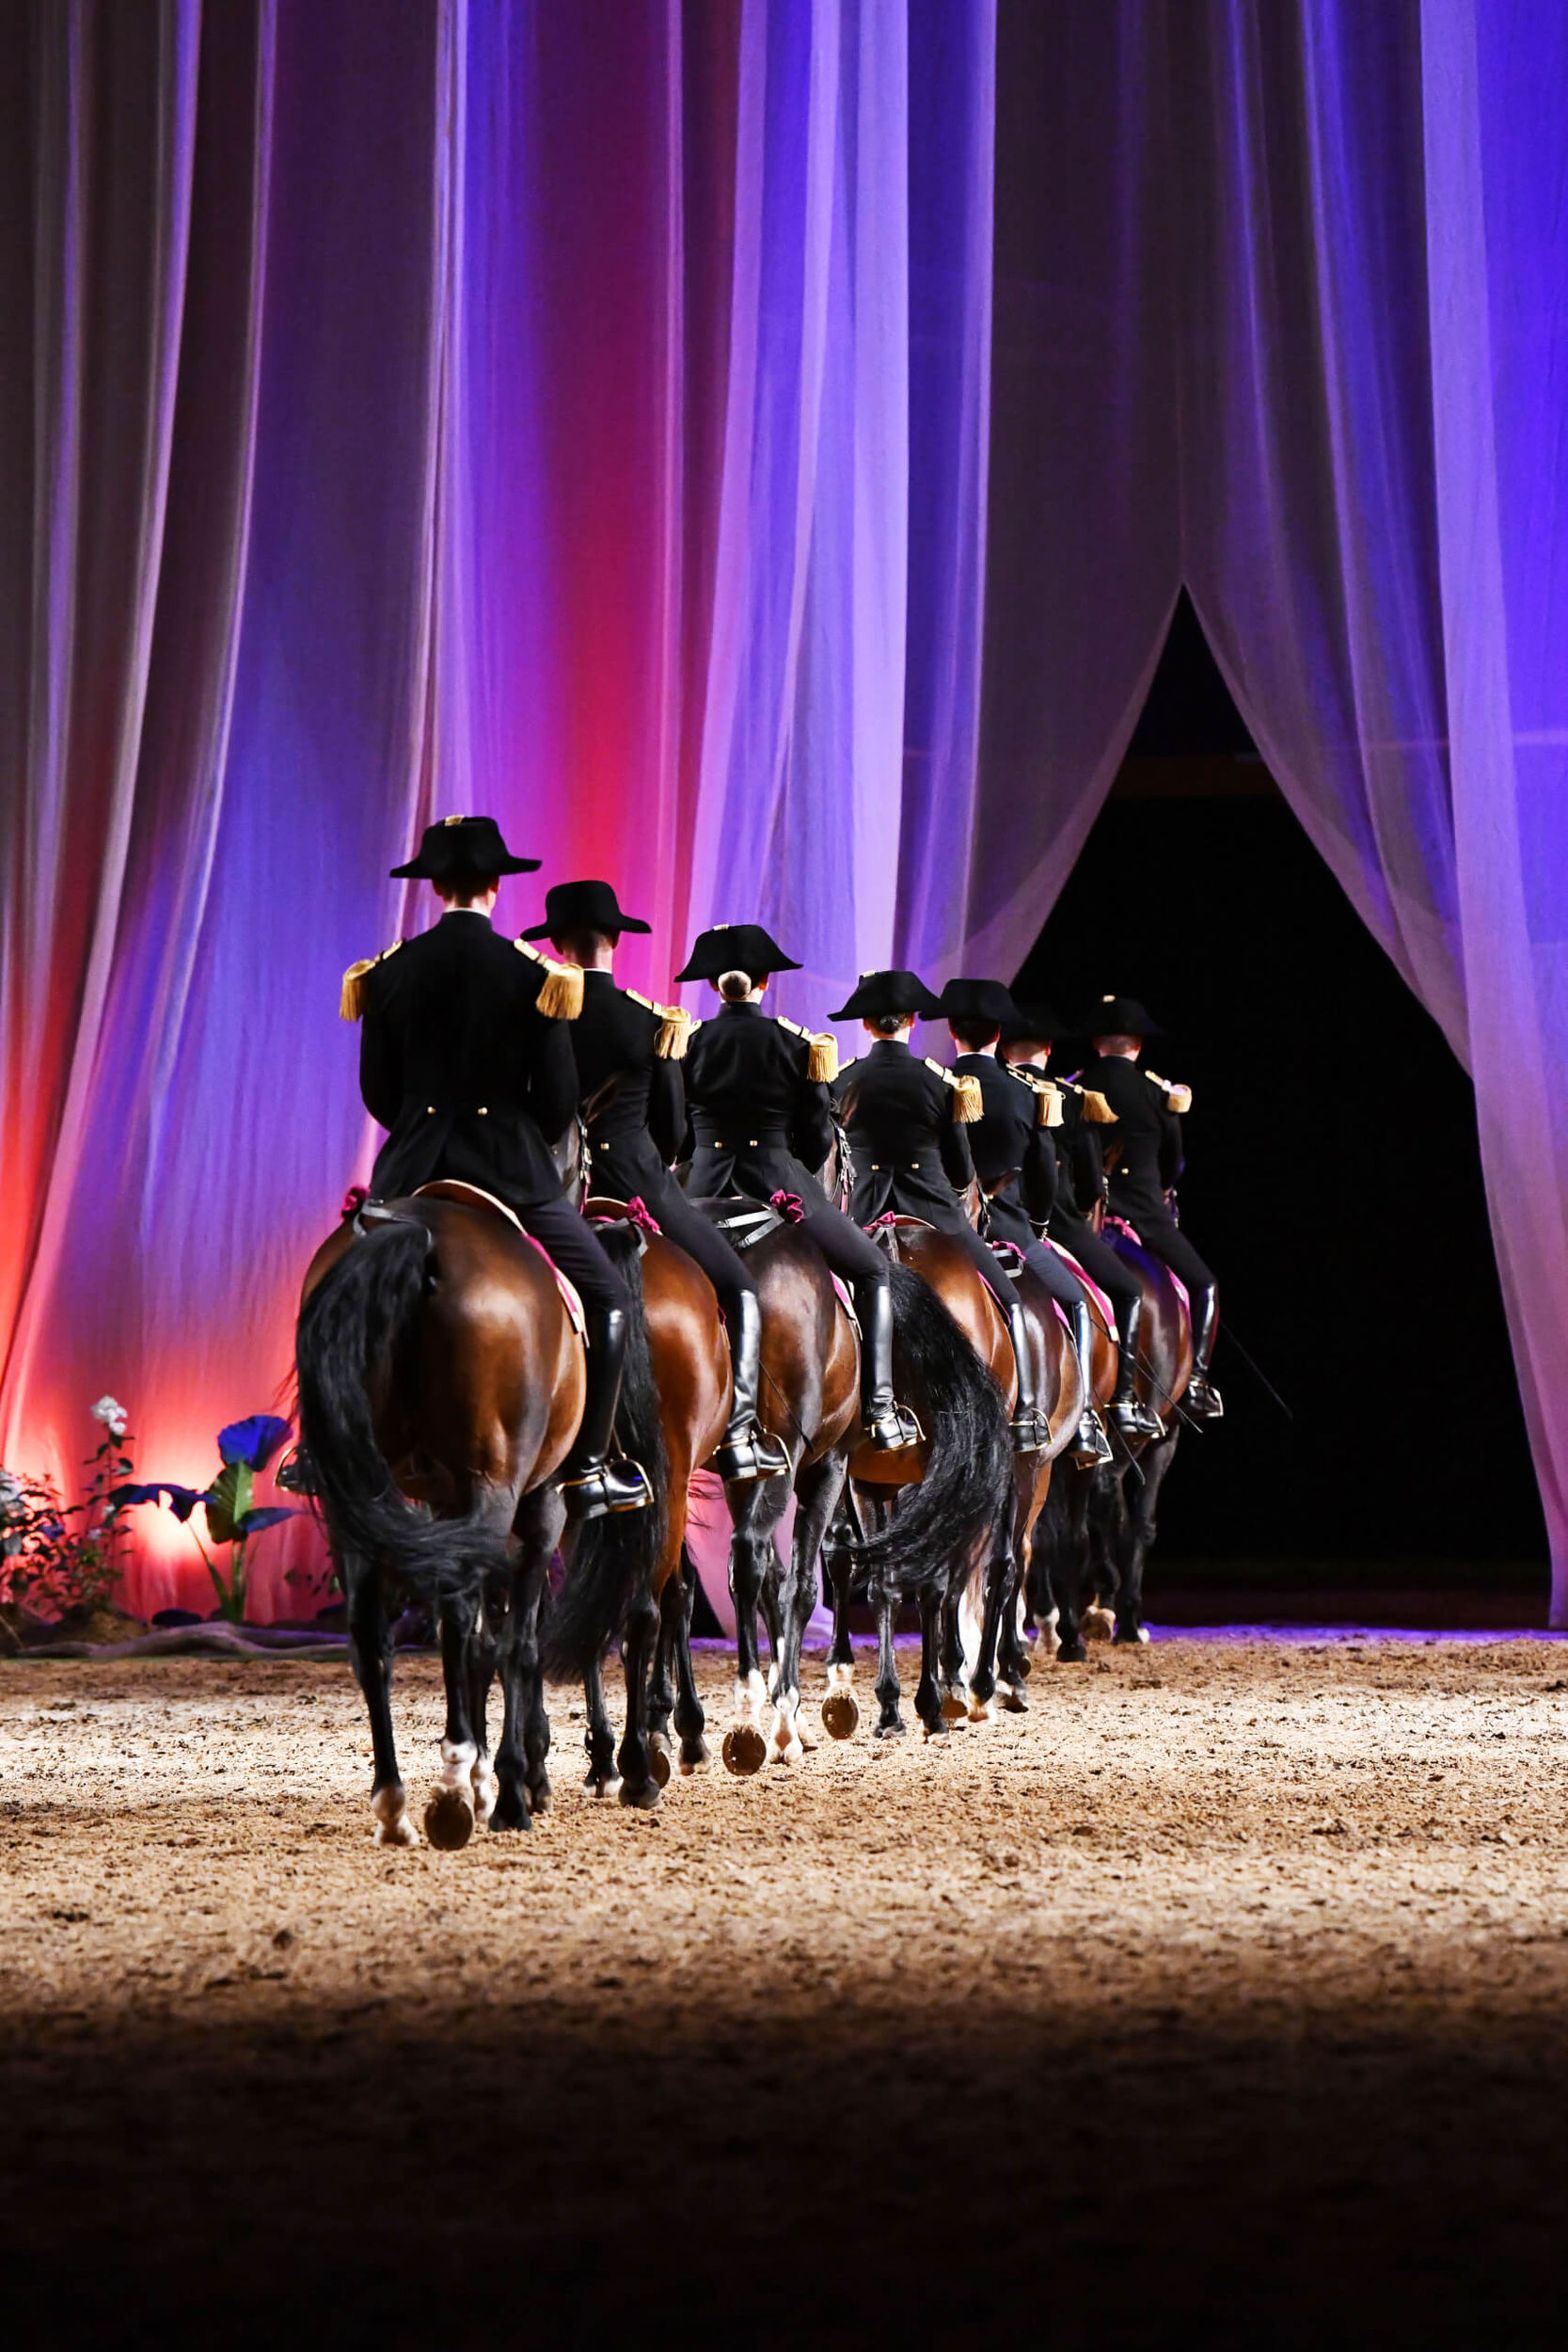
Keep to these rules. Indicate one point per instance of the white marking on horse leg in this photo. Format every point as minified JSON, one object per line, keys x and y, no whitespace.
{"x":970,"y":1622}
{"x":751,"y":1697}
{"x":840,"y":1675}
{"x":486,"y":1788}
{"x":784,"y":1739}
{"x":392,"y":1824}
{"x":981,"y":1711}
{"x":458,"y":1758}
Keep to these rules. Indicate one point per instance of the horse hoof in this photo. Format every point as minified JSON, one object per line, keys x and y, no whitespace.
{"x":640,"y":1800}
{"x":1012,"y":1698}
{"x":955,"y":1707}
{"x":1098,"y":1625}
{"x":658,"y":1764}
{"x":840,"y":1714}
{"x":509,"y":1811}
{"x":485,"y":1789}
{"x":693,"y":1754}
{"x":1130,"y":1633}
{"x":448,"y":1819}
{"x":744,"y":1750}
{"x":603,"y":1783}
{"x":894,"y":1730}
{"x":660,"y":1740}
{"x":936,"y":1730}
{"x":540,"y":1797}
{"x":980,"y":1710}
{"x":392,"y":1824}
{"x":1071,"y":1654}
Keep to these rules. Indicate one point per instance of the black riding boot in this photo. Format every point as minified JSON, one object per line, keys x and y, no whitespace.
{"x":1030,"y":1429}
{"x":591,"y":1482}
{"x":1202,"y":1399}
{"x":888,"y":1425}
{"x":1091,"y":1445}
{"x":1127,"y":1410}
{"x":748,"y":1451}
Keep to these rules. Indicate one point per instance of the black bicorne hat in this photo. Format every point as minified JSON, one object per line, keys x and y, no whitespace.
{"x":463,"y":848}
{"x":1119,"y":1016}
{"x":890,"y":992}
{"x":582,"y":906}
{"x":735,"y":947}
{"x":984,"y":1004}
{"x":1040,"y":1024}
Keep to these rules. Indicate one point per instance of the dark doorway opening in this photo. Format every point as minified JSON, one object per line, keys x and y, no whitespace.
{"x":1333,"y":1181}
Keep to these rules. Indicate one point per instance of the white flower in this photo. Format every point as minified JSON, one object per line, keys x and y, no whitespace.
{"x":114,"y":1416}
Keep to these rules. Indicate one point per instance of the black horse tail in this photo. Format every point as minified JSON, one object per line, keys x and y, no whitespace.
{"x":939,"y":1529}
{"x":611,"y":1560}
{"x":353,"y":1330}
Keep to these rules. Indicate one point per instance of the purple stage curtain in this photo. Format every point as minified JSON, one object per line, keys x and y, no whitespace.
{"x":1375,"y":402}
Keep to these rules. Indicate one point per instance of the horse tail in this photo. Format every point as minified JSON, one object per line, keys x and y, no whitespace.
{"x":611,"y":1559}
{"x":353,"y":1330}
{"x":940,"y":1529}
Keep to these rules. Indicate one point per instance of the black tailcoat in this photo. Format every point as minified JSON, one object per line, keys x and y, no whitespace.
{"x":457,"y":1061}
{"x":760,"y":1121}
{"x":1143,"y":1148}
{"x":908,"y":1155}
{"x":633,"y":1100}
{"x":1014,"y":1155}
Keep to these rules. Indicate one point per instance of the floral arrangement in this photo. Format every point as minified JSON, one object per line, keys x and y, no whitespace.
{"x":49,"y":1567}
{"x":233,"y":1517}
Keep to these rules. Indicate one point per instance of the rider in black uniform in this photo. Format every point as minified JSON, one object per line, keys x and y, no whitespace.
{"x":465,"y":1057}
{"x":761,"y":1114}
{"x":1144,"y":1166}
{"x":629,"y":1052}
{"x":1014,"y":1156}
{"x":910,"y":1126}
{"x":1026,"y":1041}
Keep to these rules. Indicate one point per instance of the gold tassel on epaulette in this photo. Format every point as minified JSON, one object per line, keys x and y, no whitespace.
{"x":968,"y":1102}
{"x":560,"y":997}
{"x":1050,"y":1101}
{"x":1097,"y":1109}
{"x":822,"y":1060}
{"x":1181,"y":1099}
{"x":675,"y":1030}
{"x":351,"y":998}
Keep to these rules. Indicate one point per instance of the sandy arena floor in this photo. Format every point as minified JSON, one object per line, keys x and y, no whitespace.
{"x":1224,"y":1989}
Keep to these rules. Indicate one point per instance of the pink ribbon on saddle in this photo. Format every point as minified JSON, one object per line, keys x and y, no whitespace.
{"x":888,"y":1216}
{"x":354,"y":1200}
{"x":639,"y":1214}
{"x":789,"y":1205}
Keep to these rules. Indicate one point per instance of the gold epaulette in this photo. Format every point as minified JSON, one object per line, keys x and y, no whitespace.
{"x":1096,"y":1108}
{"x":351,"y":996}
{"x":1179,"y":1097}
{"x":1048,"y":1097}
{"x":560,"y":997}
{"x":822,"y":1060}
{"x":676,"y":1026}
{"x":968,"y":1102}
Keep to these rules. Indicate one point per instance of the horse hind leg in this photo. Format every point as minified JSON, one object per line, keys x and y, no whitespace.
{"x":841,"y":1712}
{"x":1157,"y":1460}
{"x":523,"y":1781}
{"x":680,"y":1594}
{"x":370,"y":1650}
{"x":927,"y":1698}
{"x":639,"y":1786}
{"x":599,"y":1737}
{"x":890,"y":1723}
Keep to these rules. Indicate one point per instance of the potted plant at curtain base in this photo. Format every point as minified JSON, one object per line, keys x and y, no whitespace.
{"x":55,"y":1577}
{"x":234,"y":1519}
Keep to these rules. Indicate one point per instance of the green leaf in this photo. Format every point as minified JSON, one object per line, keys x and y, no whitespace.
{"x":229,"y":1498}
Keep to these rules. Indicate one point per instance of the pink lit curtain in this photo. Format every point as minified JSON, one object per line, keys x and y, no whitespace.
{"x":418,"y":407}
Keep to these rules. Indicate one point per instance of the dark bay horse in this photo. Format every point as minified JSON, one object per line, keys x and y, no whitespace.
{"x":962,"y":1389}
{"x":440,"y":1386}
{"x":1100,"y":1524}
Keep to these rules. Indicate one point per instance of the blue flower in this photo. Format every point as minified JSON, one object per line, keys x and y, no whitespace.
{"x":182,"y":1499}
{"x":254,"y":1442}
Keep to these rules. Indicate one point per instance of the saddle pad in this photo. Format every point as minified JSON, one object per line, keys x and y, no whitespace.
{"x":1176,"y":1283}
{"x":1106,"y":1313}
{"x":443,"y":1189}
{"x":846,"y":1302}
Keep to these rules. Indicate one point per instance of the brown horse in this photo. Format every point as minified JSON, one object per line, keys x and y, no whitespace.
{"x":985,"y":1624}
{"x":1102,"y":1522}
{"x":441,"y":1383}
{"x":623,"y":1574}
{"x":945,"y":1275}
